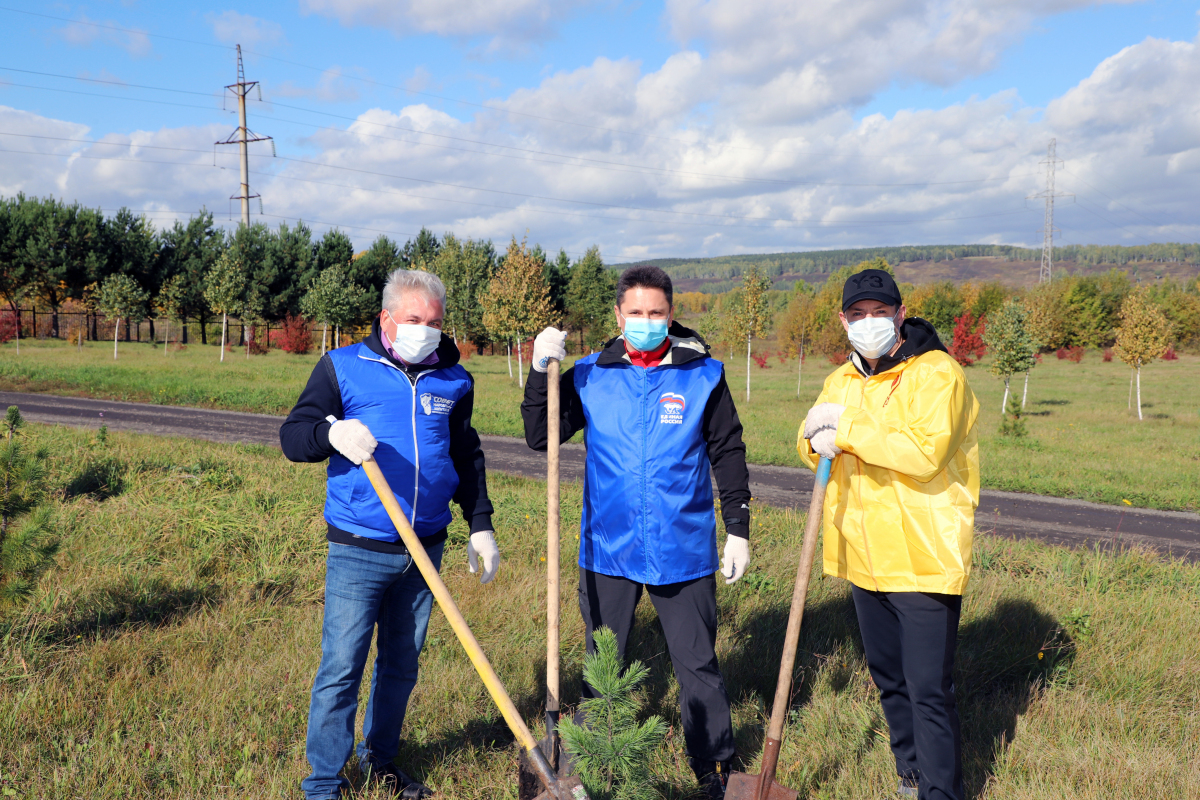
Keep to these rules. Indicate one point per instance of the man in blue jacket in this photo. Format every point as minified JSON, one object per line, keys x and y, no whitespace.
{"x":658,"y":415}
{"x":401,"y":397}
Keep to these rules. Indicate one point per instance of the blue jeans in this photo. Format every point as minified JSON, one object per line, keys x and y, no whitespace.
{"x":362,"y":589}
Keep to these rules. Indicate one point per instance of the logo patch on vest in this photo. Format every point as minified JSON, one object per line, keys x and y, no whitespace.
{"x":432,"y":404}
{"x":670,"y":407}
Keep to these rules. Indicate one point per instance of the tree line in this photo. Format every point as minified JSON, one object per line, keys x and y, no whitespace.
{"x":62,"y":256}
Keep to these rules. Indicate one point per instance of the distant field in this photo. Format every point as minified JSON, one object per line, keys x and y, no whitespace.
{"x":1083,"y":441}
{"x":171,"y":652}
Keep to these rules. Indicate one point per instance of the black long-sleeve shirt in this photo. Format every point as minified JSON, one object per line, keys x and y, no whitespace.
{"x":722,"y":430}
{"x":304,"y":437}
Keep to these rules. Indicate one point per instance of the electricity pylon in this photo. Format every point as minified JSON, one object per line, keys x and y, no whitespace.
{"x":243,"y":136}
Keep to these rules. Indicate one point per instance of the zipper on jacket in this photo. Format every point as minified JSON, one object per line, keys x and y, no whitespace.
{"x":862,"y":403}
{"x":643,"y":414}
{"x":416,"y":450}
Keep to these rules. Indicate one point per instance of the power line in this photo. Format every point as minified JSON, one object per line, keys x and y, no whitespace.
{"x":244,"y":137}
{"x":594,"y":163}
{"x":1118,"y":202}
{"x":792,"y":223}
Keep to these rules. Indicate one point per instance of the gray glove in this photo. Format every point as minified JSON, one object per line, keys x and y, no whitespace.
{"x":549,"y":344}
{"x":822,"y":415}
{"x":352,"y":439}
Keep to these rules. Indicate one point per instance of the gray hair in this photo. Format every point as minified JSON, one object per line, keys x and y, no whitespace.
{"x":410,"y":280}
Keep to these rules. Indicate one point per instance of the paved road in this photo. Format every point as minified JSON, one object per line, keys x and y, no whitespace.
{"x":1051,"y":519}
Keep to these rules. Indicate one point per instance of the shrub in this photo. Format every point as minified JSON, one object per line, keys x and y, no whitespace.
{"x":256,"y":347}
{"x":465,"y":350}
{"x":1061,"y":353}
{"x":8,"y":327}
{"x":1108,"y":355}
{"x":761,"y":360}
{"x":967,"y":345}
{"x":295,"y":337}
{"x":1075,"y":354}
{"x":838,"y":357}
{"x":1169,"y":354}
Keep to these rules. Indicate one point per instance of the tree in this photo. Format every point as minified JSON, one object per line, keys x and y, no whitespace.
{"x":289,"y":266}
{"x":1007,"y":336}
{"x":63,"y":251}
{"x":420,"y":250}
{"x":171,"y":300}
{"x":223,"y":287}
{"x":590,"y":297}
{"x":119,"y":298}
{"x":465,"y":267}
{"x":1144,"y":335}
{"x":967,"y":345}
{"x":370,"y":269}
{"x":191,"y":251}
{"x":801,"y":324}
{"x":131,"y":247}
{"x":752,"y":316}
{"x":517,"y":301}
{"x":27,"y":546}
{"x":612,"y":750}
{"x":558,"y":275}
{"x":333,"y":301}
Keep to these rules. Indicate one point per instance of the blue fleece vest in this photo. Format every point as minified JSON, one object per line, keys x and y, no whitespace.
{"x":647,"y":500}
{"x":411,"y":423}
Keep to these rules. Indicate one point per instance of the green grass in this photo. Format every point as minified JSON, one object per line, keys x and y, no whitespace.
{"x":171,"y":653}
{"x":1084,"y":441}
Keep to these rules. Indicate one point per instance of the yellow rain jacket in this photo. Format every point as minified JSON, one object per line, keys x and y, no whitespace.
{"x":900,"y":507}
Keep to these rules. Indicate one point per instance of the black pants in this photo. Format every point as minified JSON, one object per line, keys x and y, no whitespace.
{"x":688,"y":613}
{"x":909,"y":638}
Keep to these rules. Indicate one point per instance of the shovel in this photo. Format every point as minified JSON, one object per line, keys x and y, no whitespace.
{"x":555,"y":788}
{"x":549,"y":745}
{"x":748,"y":786}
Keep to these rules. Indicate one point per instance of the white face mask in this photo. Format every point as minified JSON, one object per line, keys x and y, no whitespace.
{"x":873,"y":336}
{"x":414,"y":343}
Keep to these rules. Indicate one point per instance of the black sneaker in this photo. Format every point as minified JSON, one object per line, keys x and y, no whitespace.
{"x":713,"y":777}
{"x":395,"y":781}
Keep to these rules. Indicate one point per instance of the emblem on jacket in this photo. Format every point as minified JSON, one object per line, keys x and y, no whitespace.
{"x":432,"y":404}
{"x":670,"y":407}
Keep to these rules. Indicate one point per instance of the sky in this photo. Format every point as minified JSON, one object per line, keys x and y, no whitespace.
{"x":679,"y":128}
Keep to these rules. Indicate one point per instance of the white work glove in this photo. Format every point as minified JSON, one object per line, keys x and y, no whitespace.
{"x":352,"y":439}
{"x":483,"y":546}
{"x":549,"y":344}
{"x":824,"y":443}
{"x":822,"y":415}
{"x":737,"y":558}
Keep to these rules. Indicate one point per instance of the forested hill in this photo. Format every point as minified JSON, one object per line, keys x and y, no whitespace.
{"x":922,"y":263}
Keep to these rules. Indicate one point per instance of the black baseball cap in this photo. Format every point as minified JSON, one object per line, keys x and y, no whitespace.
{"x":871,"y":284}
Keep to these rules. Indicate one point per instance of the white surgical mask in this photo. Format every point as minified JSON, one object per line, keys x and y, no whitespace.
{"x":414,"y":343}
{"x":873,"y":336}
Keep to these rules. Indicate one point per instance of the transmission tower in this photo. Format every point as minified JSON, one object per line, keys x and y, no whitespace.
{"x":1046,"y":274}
{"x":243,"y":136}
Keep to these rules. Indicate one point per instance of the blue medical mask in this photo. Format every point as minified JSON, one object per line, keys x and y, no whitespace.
{"x":645,"y":334}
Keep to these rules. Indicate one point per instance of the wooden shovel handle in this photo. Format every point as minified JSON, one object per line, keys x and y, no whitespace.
{"x":783,"y":689}
{"x":552,"y":539}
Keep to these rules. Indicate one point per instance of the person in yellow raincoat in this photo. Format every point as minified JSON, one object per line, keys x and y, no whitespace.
{"x":898,"y":420}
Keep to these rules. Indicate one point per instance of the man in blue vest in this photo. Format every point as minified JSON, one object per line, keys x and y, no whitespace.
{"x":401,"y":397}
{"x":658,"y":416}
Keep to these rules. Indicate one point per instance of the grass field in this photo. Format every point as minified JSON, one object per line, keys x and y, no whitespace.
{"x":171,"y":653}
{"x":1084,"y":442}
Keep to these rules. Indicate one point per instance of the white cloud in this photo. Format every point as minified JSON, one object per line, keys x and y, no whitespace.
{"x":85,"y":32}
{"x":508,"y":23}
{"x":231,"y":27}
{"x":331,"y":87}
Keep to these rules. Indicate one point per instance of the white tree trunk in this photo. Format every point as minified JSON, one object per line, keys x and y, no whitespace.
{"x":1004,"y":400}
{"x":1130,"y":404}
{"x":520,"y":371}
{"x":337,"y":337}
{"x":324,"y":332}
{"x":1025,"y":394}
{"x":115,"y":330}
{"x":508,"y":357}
{"x":799,"y":370}
{"x":747,"y":368}
{"x":224,"y":325}
{"x":1139,"y":390}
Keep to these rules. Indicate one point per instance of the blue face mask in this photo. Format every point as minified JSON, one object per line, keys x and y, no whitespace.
{"x":645,"y":334}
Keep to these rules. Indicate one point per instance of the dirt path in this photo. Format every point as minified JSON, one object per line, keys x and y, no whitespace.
{"x":1051,"y":519}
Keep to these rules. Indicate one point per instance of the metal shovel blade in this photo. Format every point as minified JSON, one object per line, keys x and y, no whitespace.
{"x":745,"y":786}
{"x":569,"y":788}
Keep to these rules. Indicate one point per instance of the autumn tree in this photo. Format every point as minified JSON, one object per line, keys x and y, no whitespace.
{"x":800,"y":324}
{"x":517,"y":302}
{"x":753,"y":314}
{"x":1007,"y":336}
{"x":1143,"y":336}
{"x":171,"y":300}
{"x":119,"y":298}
